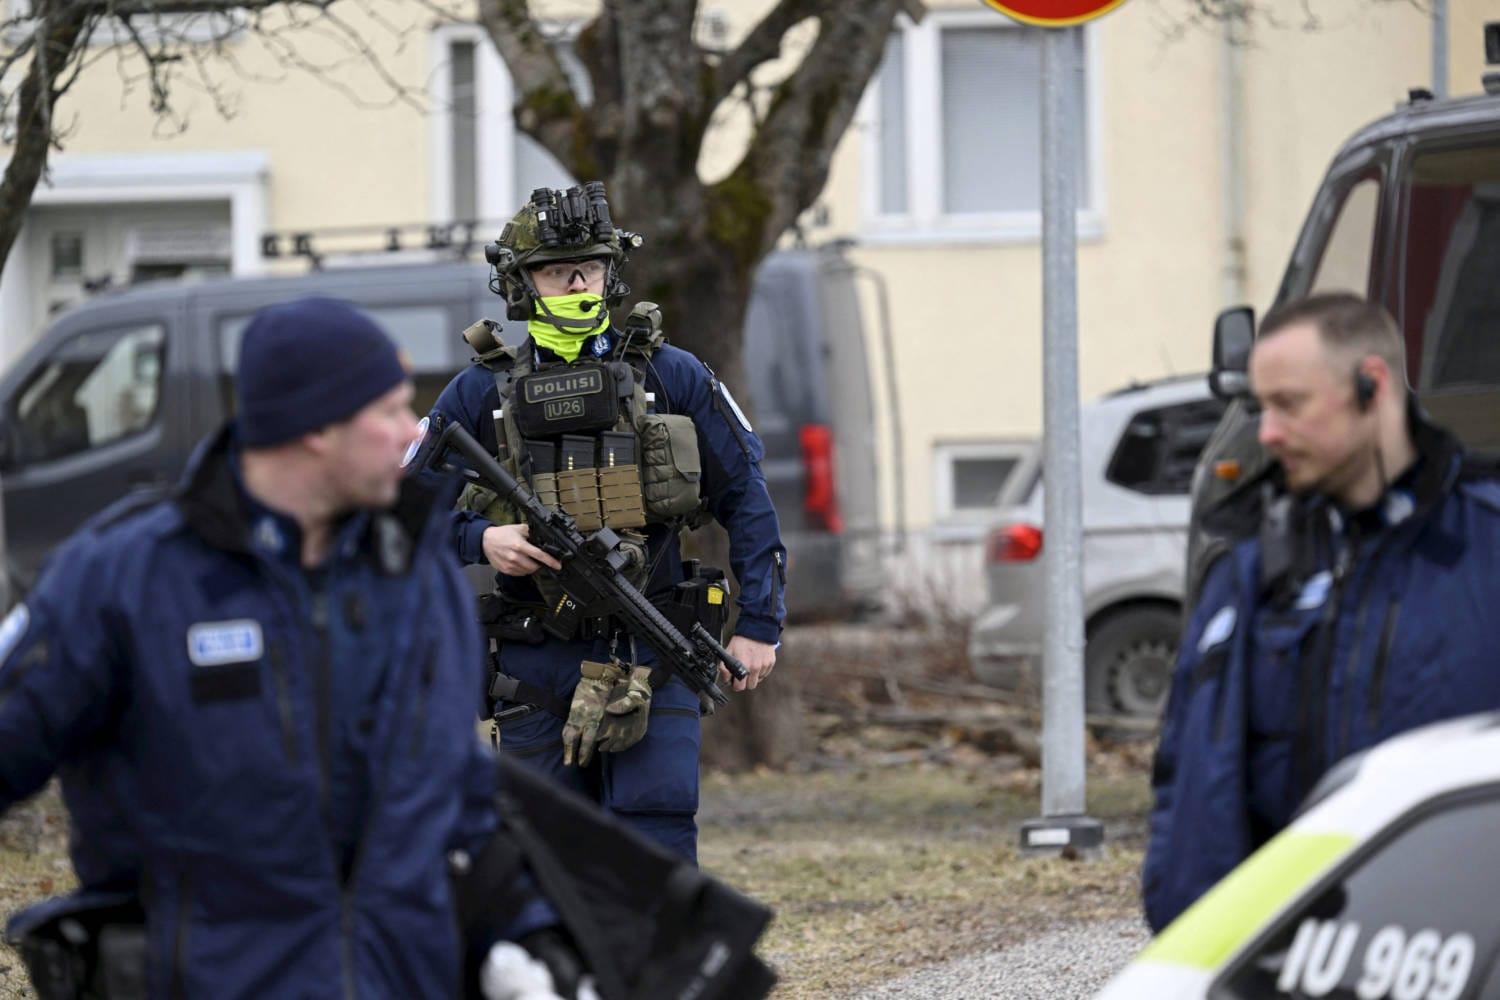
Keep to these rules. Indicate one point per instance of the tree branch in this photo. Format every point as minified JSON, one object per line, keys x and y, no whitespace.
{"x":58,"y":36}
{"x":762,"y":44}
{"x":788,"y":159}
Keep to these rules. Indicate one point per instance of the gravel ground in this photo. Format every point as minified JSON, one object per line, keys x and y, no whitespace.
{"x":1059,"y":964}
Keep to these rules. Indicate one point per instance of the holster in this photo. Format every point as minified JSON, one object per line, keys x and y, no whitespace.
{"x":87,"y":946}
{"x":506,"y":621}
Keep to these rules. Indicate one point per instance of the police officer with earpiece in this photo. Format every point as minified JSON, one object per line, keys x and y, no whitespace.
{"x":621,"y":430}
{"x":1358,"y":603}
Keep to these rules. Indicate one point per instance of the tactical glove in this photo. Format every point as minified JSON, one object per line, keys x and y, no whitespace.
{"x":581,"y":731}
{"x":627,"y":712}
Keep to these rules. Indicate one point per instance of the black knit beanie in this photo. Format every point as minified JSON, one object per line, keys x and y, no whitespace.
{"x":307,"y":364}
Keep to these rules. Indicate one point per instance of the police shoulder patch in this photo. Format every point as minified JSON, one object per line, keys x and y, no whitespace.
{"x":416,"y":442}
{"x":211,"y":644}
{"x":739,"y":414}
{"x":13,"y":628}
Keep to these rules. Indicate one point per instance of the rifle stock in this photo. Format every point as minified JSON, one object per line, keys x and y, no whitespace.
{"x":593,"y":572}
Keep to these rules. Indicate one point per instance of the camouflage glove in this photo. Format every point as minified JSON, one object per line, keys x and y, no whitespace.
{"x":581,"y":731}
{"x":627,"y":712}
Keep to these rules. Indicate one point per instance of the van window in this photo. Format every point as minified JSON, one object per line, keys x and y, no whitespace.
{"x":96,"y":388}
{"x":1345,"y":263}
{"x":1451,"y":252}
{"x":423,"y":332}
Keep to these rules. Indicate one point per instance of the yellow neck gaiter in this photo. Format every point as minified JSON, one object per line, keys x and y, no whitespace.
{"x":561,"y":323}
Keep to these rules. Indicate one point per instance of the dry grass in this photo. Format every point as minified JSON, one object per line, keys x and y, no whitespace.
{"x":876,"y":872}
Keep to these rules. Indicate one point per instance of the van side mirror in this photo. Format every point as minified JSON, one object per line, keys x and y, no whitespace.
{"x":1234,"y":334}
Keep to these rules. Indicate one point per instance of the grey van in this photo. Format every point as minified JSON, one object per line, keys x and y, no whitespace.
{"x":115,"y":393}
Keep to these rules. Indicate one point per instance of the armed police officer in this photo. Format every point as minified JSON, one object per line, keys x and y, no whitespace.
{"x":623,"y":431}
{"x":1358,"y":603}
{"x":259,"y":694}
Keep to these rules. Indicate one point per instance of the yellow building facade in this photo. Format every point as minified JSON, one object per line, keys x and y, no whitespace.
{"x":1201,"y":157}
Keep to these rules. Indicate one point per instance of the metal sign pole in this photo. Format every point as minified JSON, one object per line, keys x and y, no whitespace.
{"x":1063,"y":823}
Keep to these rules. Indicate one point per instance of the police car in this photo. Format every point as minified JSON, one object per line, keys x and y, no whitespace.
{"x":1386,"y":886}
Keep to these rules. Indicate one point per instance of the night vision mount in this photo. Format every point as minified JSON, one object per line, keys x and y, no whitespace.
{"x":571,"y":223}
{"x":576,"y":217}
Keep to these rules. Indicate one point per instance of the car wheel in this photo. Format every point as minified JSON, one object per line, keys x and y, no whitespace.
{"x":1129,"y":660}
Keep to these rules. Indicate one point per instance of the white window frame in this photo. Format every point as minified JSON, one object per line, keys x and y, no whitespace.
{"x":189,"y":27}
{"x":950,"y":523}
{"x":494,"y":131}
{"x":924,"y":220}
{"x":495,"y":128}
{"x":239,"y":177}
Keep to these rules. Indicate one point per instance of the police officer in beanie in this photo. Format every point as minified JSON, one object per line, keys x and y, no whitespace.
{"x":259,"y":694}
{"x":625,"y":431}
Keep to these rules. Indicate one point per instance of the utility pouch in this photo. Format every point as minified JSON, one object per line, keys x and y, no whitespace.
{"x":506,"y":621}
{"x":670,"y":466}
{"x":701,"y":599}
{"x":575,"y":399}
{"x":620,"y":481}
{"x":88,"y":946}
{"x":578,"y":481}
{"x":541,"y":458}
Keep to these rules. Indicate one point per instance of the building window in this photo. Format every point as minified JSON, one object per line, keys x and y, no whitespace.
{"x":485,"y":168}
{"x":67,"y":254}
{"x":462,"y":110}
{"x":974,"y":477}
{"x":954,"y":120}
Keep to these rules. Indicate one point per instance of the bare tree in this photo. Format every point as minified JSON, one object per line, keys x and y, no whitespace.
{"x":655,"y":92}
{"x":160,"y":46}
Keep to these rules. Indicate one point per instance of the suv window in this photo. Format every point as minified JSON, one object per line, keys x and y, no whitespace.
{"x":96,"y":388}
{"x":1159,"y":447}
{"x":1407,"y":921}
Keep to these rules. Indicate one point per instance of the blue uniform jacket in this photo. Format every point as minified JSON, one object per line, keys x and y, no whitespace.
{"x":279,"y":775}
{"x":733,"y":483}
{"x":1410,"y":631}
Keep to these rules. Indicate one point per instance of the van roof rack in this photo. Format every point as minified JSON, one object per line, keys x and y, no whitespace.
{"x":453,"y":240}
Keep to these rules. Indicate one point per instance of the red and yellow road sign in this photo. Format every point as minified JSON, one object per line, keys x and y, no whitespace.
{"x":1054,"y":13}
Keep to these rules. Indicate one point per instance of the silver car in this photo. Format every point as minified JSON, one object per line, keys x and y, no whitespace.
{"x":1139,"y":446}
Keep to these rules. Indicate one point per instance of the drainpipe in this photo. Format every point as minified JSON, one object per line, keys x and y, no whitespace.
{"x":1440,"y":49}
{"x":1232,"y":160}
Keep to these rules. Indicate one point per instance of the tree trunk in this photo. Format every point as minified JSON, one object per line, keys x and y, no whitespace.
{"x":55,"y":42}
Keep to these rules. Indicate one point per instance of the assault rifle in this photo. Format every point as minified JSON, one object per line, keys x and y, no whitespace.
{"x":593,"y":572}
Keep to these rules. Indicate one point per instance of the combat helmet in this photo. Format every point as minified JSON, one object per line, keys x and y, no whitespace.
{"x":558,"y":225}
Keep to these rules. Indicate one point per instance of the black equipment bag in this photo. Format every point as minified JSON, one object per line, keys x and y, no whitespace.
{"x":648,"y":924}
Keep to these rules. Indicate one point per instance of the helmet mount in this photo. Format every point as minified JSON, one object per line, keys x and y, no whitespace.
{"x":557,"y":225}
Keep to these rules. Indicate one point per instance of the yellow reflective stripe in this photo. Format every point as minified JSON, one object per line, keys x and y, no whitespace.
{"x":1241,"y":903}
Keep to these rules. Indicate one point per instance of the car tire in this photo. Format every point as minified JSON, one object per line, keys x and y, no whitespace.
{"x":1128,"y":661}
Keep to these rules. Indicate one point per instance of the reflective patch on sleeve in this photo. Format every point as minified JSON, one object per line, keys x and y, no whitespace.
{"x":12,"y":629}
{"x":1219,"y":628}
{"x":739,"y":414}
{"x":416,"y":442}
{"x":212,"y":644}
